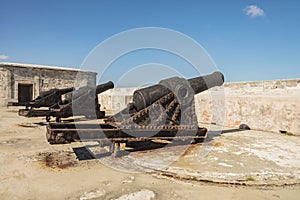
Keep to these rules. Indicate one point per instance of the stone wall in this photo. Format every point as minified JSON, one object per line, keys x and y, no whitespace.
{"x":42,"y":78}
{"x":262,"y":105}
{"x":5,"y":85}
{"x":116,"y":99}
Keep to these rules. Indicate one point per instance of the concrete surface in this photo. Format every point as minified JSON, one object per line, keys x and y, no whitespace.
{"x":233,"y":157}
{"x":30,"y":168}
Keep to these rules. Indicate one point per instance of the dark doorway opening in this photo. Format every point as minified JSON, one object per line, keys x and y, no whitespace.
{"x":25,"y":92}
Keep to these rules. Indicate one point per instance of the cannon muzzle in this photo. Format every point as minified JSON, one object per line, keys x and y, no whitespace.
{"x":91,"y":92}
{"x":65,"y":90}
{"x":142,"y":98}
{"x":202,"y":83}
{"x":103,"y":87}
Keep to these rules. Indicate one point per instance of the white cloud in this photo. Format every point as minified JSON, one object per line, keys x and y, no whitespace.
{"x":254,"y":11}
{"x":3,"y":57}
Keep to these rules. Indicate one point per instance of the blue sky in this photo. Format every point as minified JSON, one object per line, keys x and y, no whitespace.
{"x":248,"y":40}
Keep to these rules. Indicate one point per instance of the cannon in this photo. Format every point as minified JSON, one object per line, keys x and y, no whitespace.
{"x":83,"y":102}
{"x":85,"y":99}
{"x":165,"y":111}
{"x":175,"y":94}
{"x":45,"y":99}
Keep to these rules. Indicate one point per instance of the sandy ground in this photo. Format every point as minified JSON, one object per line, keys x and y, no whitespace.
{"x":30,"y":168}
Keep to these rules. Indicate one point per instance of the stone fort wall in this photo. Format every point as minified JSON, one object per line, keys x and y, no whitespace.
{"x":42,"y":78}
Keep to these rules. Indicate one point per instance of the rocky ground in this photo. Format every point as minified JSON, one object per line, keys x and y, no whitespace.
{"x":232,"y":165}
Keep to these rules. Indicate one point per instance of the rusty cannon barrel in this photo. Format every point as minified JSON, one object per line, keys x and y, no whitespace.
{"x":56,"y":92}
{"x":103,"y":87}
{"x":91,"y":91}
{"x":65,"y":90}
{"x":182,"y":88}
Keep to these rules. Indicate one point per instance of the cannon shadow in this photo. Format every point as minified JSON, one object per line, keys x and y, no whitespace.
{"x":83,"y":153}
